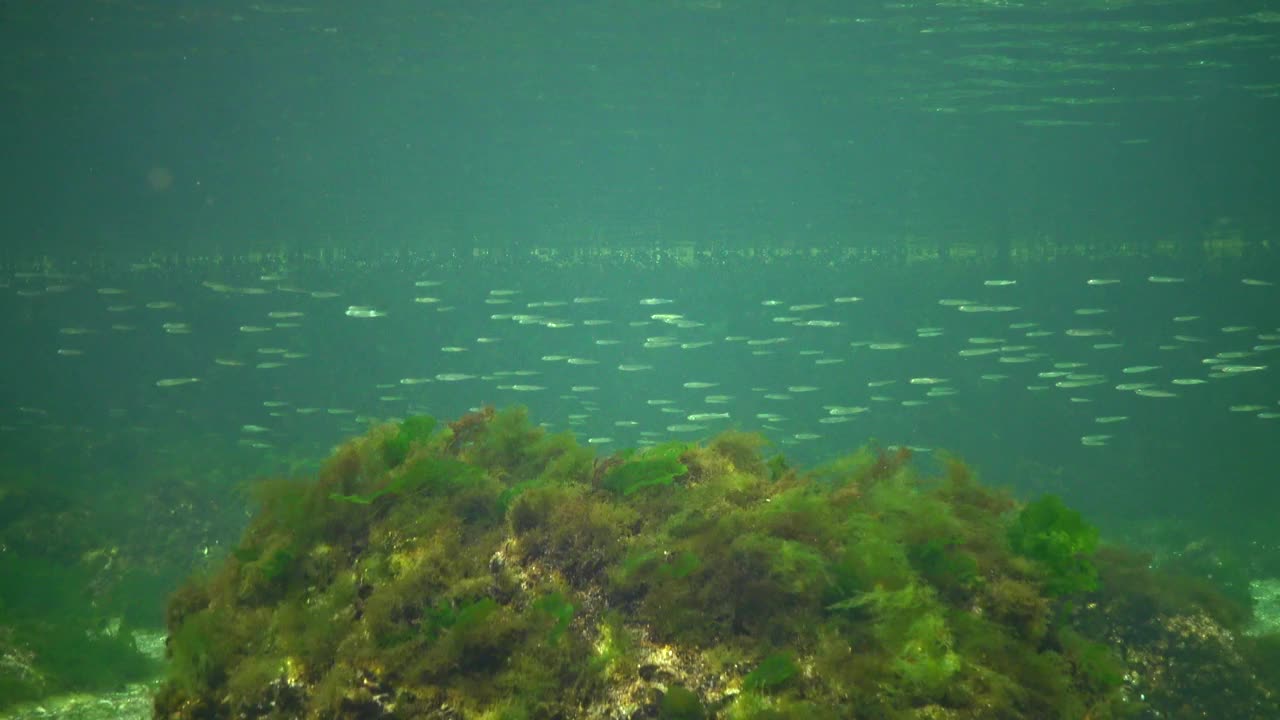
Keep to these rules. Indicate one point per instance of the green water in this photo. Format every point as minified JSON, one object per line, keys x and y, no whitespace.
{"x":1040,"y":237}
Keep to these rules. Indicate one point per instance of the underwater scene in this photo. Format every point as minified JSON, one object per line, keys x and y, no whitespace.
{"x":673,"y":360}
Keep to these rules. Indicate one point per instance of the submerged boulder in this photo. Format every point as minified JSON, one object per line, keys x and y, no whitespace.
{"x":488,"y":569}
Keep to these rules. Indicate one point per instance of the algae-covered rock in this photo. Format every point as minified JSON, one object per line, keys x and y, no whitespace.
{"x":491,"y":570}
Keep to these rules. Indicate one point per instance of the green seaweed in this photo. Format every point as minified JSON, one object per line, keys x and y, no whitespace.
{"x":682,"y":566}
{"x":944,"y":565}
{"x":658,"y":466}
{"x":925,"y":659}
{"x":510,"y":443}
{"x":509,"y":495}
{"x":615,"y":648}
{"x":432,"y":473}
{"x":415,"y":430}
{"x":1095,"y":663}
{"x":53,"y":638}
{"x":778,"y":467}
{"x":681,"y":703}
{"x":563,"y":523}
{"x":1059,"y":540}
{"x":772,"y":673}
{"x":247,"y":555}
{"x":445,"y":621}
{"x":200,"y":652}
{"x":556,"y":607}
{"x":277,"y":563}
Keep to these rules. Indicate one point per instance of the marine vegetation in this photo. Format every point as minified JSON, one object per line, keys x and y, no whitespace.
{"x":489,"y":569}
{"x":53,"y":640}
{"x":86,"y":562}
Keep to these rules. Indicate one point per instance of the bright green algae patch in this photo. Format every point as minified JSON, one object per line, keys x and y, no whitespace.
{"x":492,"y":570}
{"x":657,"y":466}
